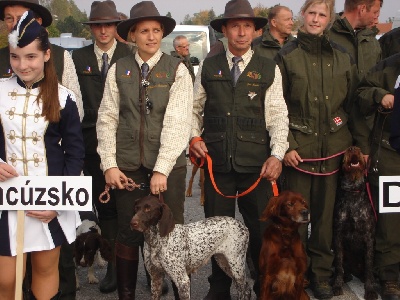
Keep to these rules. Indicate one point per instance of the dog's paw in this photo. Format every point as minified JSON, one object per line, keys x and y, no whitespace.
{"x":92,"y":279}
{"x":370,"y":295}
{"x":189,"y":193}
{"x":337,"y":291}
{"x":101,"y":262}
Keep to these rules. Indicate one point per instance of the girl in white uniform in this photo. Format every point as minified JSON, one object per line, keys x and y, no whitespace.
{"x":40,"y":135}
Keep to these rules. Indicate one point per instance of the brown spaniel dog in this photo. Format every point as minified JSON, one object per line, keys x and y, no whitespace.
{"x":283,"y":260}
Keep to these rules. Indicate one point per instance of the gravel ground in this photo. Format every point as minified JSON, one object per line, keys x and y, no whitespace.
{"x":199,"y":286}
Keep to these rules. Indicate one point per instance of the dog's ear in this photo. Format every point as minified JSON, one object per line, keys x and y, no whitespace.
{"x":272,"y":209}
{"x":105,"y":249}
{"x":166,"y":223}
{"x":78,"y":248}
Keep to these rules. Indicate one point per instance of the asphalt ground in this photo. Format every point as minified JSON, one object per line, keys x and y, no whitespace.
{"x":199,"y":285}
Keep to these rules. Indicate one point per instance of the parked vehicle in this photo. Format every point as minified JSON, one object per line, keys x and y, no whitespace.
{"x":200,"y":38}
{"x":67,"y":41}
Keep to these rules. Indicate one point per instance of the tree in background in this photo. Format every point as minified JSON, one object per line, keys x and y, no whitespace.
{"x":71,"y":25}
{"x":67,"y":17}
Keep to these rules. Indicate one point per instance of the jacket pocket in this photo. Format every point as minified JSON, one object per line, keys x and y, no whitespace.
{"x":251,"y":148}
{"x":217,"y":148}
{"x":127,"y":145}
{"x":302,"y":135}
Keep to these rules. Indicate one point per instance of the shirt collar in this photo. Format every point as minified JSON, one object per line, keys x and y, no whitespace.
{"x":246,"y":57}
{"x":110,"y":52}
{"x":151,"y":62}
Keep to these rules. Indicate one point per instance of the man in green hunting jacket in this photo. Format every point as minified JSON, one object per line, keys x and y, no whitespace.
{"x":278,"y":33}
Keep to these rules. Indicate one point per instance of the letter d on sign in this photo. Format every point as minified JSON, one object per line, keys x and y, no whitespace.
{"x":389,"y":194}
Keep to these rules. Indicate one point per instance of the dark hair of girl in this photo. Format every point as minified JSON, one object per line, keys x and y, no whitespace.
{"x":48,"y":89}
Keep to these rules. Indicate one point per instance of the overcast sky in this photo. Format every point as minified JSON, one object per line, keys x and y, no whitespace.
{"x":180,"y":8}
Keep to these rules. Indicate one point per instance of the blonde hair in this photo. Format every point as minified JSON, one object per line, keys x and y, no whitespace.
{"x":330,"y":4}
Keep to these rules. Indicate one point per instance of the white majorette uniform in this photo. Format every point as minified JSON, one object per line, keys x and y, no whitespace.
{"x":35,"y":147}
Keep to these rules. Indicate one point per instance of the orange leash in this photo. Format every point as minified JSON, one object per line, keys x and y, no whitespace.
{"x":194,"y":160}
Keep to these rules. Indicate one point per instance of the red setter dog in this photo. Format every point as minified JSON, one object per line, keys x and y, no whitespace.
{"x":283,"y":260}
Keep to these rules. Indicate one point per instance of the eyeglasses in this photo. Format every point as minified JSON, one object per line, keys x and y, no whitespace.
{"x":10,"y":20}
{"x":183,"y":46}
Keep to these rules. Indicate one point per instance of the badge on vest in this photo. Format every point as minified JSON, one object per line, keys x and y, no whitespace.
{"x":254,"y":75}
{"x":163,"y":75}
{"x":251,"y":95}
{"x":219,"y":74}
{"x":8,"y":73}
{"x":88,"y":70}
{"x":128,"y":74}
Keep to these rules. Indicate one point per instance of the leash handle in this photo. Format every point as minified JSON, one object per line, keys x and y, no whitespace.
{"x":129,"y":186}
{"x":193,"y":159}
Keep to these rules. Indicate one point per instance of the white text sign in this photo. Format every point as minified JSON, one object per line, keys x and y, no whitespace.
{"x":46,"y":193}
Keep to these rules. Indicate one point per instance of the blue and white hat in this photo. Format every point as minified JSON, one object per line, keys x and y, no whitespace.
{"x":25,"y":31}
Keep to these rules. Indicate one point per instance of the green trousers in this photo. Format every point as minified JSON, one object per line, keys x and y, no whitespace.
{"x":320,"y":194}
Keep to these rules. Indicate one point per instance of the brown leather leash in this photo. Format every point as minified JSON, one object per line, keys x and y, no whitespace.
{"x":129,"y":186}
{"x":194,"y":159}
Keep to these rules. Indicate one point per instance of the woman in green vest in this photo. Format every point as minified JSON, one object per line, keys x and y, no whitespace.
{"x":318,"y":80}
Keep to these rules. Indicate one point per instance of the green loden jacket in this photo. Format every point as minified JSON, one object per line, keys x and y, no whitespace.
{"x":319,"y":79}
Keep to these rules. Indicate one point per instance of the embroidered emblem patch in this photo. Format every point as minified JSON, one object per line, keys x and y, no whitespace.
{"x":162,"y":75}
{"x":127,"y":74}
{"x":251,"y":95}
{"x":338,"y":121}
{"x":8,"y":73}
{"x":254,"y":75}
{"x":219,"y":74}
{"x":88,"y":70}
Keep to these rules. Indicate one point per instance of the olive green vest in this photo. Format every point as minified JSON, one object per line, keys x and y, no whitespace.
{"x":89,"y":77}
{"x":234,"y":120}
{"x":57,"y":53}
{"x":138,"y":133}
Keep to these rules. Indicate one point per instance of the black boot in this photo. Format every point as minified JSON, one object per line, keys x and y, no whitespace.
{"x":109,"y":231}
{"x":126,"y":261}
{"x":220,"y":283}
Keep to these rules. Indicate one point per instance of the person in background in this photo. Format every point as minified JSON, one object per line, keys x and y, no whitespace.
{"x":41,"y":137}
{"x":355,"y":30}
{"x":143,"y":128}
{"x":10,"y":12}
{"x":277,"y":34}
{"x":181,"y":46}
{"x":92,"y":63}
{"x":390,"y":43}
{"x":245,"y":129}
{"x":319,"y":79}
{"x":376,"y":98}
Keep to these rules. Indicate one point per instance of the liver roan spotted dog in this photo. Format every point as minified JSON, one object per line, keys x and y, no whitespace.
{"x":354,"y":226}
{"x":179,"y":250}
